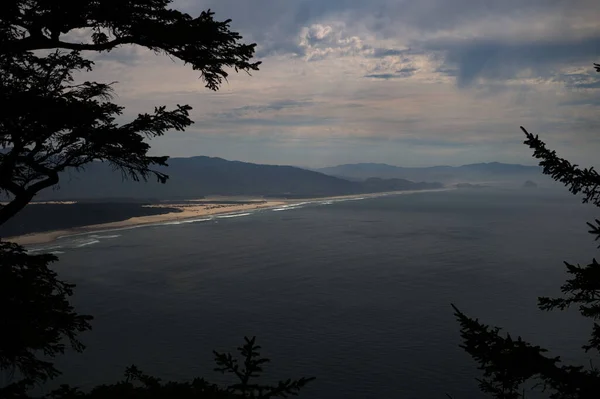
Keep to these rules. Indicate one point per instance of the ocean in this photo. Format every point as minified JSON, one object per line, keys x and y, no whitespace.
{"x":356,"y":293}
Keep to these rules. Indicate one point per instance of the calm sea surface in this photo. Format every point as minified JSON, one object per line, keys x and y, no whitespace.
{"x":356,"y":293}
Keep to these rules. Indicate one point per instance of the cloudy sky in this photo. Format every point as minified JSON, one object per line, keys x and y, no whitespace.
{"x":405,"y":82}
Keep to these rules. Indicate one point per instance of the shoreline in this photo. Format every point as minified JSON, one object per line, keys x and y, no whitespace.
{"x":187,"y":211}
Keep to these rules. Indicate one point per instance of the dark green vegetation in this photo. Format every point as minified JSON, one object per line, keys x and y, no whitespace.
{"x":201,"y":176}
{"x":245,"y":370}
{"x":37,"y":316}
{"x":55,"y":125}
{"x":509,"y":364}
{"x":48,"y":217}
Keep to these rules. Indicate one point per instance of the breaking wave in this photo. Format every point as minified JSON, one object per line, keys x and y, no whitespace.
{"x":86,"y":243}
{"x":235,"y":215}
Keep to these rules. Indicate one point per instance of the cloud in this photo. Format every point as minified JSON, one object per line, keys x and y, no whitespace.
{"x":469,"y":60}
{"x":401,"y":73}
{"x":396,"y":81}
{"x":272,"y":107}
{"x":321,"y":41}
{"x":392,"y":52}
{"x":580,"y":80}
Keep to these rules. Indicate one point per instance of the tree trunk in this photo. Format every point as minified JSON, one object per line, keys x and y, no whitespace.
{"x":14,"y":207}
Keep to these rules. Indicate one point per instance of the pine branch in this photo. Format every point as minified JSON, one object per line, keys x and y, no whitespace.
{"x":577,"y":180}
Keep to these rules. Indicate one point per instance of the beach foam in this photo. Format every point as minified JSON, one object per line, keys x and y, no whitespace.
{"x":85,"y":244}
{"x":78,"y":239}
{"x":104,"y":237}
{"x":236,"y":215}
{"x":178,"y":222}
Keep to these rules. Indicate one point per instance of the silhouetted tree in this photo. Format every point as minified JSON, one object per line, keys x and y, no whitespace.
{"x":252,"y":368}
{"x":36,"y":315}
{"x":140,"y":385}
{"x":49,"y":124}
{"x":509,"y":363}
{"x":55,"y":124}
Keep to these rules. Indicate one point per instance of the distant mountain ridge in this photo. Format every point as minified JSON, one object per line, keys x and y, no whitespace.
{"x":494,"y":171}
{"x":203,"y":176}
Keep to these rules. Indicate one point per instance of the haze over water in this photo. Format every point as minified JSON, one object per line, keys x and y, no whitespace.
{"x":356,"y":293}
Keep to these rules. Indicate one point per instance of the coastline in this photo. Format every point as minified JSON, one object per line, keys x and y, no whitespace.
{"x":190,"y":210}
{"x":185,"y":211}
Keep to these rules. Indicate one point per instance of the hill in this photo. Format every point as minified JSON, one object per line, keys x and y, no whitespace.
{"x":479,"y":172}
{"x":203,"y":176}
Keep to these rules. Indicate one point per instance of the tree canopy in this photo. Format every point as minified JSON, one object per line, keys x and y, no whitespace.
{"x":246,"y":371}
{"x":50,"y":123}
{"x":37,"y":316}
{"x":55,"y":123}
{"x":208,"y":45}
{"x":509,"y":363}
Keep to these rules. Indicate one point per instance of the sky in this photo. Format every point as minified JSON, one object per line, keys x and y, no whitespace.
{"x":409,"y":83}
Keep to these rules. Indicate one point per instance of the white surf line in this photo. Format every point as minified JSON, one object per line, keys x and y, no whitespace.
{"x":333,"y":200}
{"x":185,"y":221}
{"x":233,"y":215}
{"x":85,"y":244}
{"x":290,"y":206}
{"x":156,"y":224}
{"x":94,"y":232}
{"x":105,"y":237}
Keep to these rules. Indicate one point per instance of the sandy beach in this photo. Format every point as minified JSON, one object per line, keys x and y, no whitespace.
{"x":186,"y":211}
{"x":192,"y":209}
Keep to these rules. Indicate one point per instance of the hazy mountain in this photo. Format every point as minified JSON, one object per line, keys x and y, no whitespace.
{"x":479,"y":172}
{"x":201,"y":176}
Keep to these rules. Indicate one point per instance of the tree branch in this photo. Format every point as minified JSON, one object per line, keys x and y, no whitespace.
{"x":586,"y":181}
{"x":36,"y":43}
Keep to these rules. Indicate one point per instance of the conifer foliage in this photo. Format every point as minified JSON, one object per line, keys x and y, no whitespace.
{"x":508,"y":363}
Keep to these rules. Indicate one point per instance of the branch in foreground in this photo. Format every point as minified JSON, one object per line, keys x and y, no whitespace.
{"x":577,"y":180}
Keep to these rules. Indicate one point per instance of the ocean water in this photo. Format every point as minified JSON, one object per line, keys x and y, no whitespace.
{"x":356,"y":293}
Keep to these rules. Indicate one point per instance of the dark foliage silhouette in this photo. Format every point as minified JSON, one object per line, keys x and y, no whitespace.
{"x":137,"y":384}
{"x":208,"y":45}
{"x":56,"y":124}
{"x":37,"y":317}
{"x":252,"y":368}
{"x":508,"y":363}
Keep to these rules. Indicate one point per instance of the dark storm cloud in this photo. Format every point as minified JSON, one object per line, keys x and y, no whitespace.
{"x":434,"y":15}
{"x":387,"y":71}
{"x":256,"y":15}
{"x":275,"y":24}
{"x":385,"y":76}
{"x":400,"y":73}
{"x":499,"y":60}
